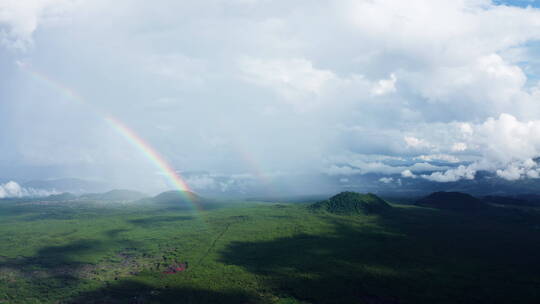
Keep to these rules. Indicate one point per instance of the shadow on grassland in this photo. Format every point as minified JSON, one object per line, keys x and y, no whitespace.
{"x":412,"y":255}
{"x":54,"y":271}
{"x":51,"y":268}
{"x":132,"y":292}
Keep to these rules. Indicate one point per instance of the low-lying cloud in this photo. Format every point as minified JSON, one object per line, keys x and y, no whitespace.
{"x":12,"y":189}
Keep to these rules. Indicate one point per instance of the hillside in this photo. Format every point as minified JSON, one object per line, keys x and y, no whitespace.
{"x":175,"y":198}
{"x":451,"y":201}
{"x":115,"y":195}
{"x":352,"y":203}
{"x":66,"y":196}
{"x":525,"y":200}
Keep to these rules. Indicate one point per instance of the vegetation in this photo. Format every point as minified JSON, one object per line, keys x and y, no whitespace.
{"x":175,"y":198}
{"x":452,"y":201}
{"x":353,"y":203}
{"x":250,"y":252}
{"x":518,"y":200}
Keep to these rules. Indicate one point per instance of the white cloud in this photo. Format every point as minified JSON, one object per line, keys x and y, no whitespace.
{"x":201,"y":182}
{"x":292,"y":78}
{"x":12,"y":189}
{"x":299,"y":83}
{"x":490,"y":78}
{"x":438,"y":157}
{"x":505,"y":139}
{"x":362,"y":167}
{"x":386,"y":180}
{"x":504,"y":145}
{"x":385,"y":86}
{"x":417,"y":143}
{"x":459,"y":147}
{"x":519,"y":170}
{"x":466,"y":129}
{"x":472,"y":27}
{"x":511,"y":173}
{"x":20,"y":18}
{"x":452,"y":175}
{"x":408,"y":174}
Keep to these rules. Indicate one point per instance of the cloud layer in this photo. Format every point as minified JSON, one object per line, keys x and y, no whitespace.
{"x":436,"y":90}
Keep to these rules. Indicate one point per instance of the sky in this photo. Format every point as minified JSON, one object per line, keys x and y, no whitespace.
{"x":269,"y":95}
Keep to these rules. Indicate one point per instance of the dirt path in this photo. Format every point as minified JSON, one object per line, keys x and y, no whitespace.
{"x":220,"y":235}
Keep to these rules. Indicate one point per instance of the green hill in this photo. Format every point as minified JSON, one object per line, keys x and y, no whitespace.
{"x":352,"y":203}
{"x":175,"y":197}
{"x":451,"y":201}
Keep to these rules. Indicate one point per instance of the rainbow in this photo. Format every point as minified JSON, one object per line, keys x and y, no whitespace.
{"x":151,"y":154}
{"x":127,"y":133}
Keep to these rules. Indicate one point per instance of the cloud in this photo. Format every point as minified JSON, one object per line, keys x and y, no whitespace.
{"x":12,"y":189}
{"x":520,"y":170}
{"x":505,"y":145}
{"x":452,"y":175}
{"x":20,"y":18}
{"x":201,"y":182}
{"x":342,"y":170}
{"x":298,"y":82}
{"x":386,"y":180}
{"x":506,"y":138}
{"x":178,"y":69}
{"x":459,"y":147}
{"x":385,"y":86}
{"x":438,"y":157}
{"x":359,"y":167}
{"x":293,"y":78}
{"x":417,"y":143}
{"x":255,"y":87}
{"x":407,"y":174}
{"x":206,"y":182}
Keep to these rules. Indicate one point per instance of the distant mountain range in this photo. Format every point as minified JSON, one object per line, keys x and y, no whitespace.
{"x":73,"y":185}
{"x":115,"y":195}
{"x":458,"y":201}
{"x":452,"y":201}
{"x":485,"y":183}
{"x":350,"y":203}
{"x":525,"y":200}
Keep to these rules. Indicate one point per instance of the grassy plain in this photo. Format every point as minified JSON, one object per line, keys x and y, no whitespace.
{"x":252,"y":252}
